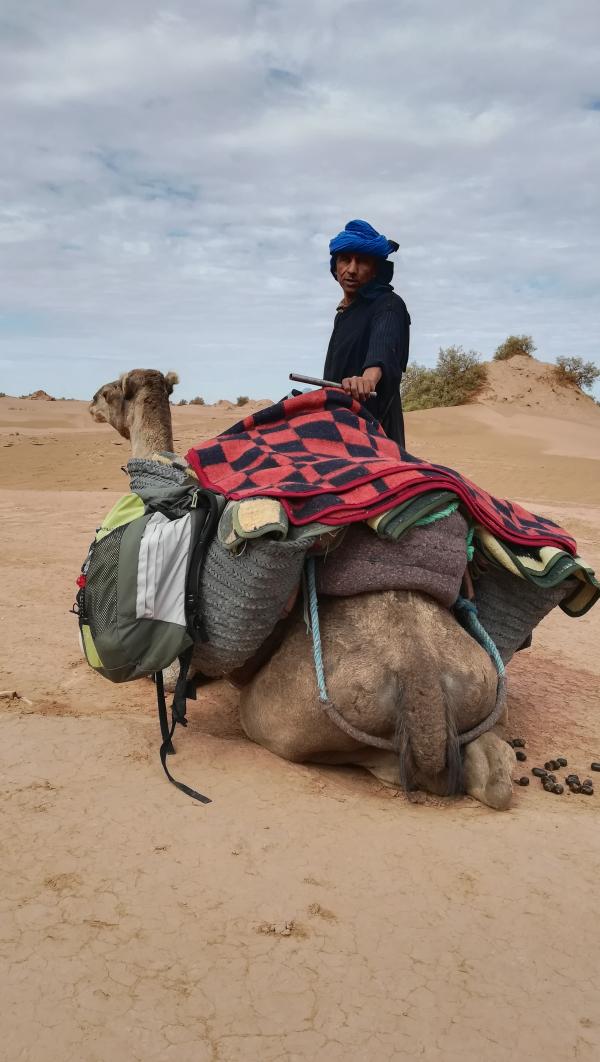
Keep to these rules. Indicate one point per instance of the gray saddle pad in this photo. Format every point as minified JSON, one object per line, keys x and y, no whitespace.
{"x":431,"y":559}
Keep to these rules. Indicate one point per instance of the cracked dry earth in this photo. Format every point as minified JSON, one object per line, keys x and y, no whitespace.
{"x":307,"y":912}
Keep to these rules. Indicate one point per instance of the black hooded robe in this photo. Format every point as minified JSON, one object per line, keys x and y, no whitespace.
{"x":373,"y":330}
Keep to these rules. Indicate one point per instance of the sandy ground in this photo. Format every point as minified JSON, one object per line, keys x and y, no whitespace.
{"x":308,"y":912}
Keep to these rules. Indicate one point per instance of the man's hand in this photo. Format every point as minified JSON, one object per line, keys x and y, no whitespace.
{"x":360,"y":387}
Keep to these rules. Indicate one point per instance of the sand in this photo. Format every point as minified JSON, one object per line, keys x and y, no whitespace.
{"x":308,"y":912}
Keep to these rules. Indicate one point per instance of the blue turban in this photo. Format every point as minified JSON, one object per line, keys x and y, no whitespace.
{"x":362,"y":238}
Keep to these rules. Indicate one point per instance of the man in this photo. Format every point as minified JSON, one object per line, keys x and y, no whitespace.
{"x":368,"y":349}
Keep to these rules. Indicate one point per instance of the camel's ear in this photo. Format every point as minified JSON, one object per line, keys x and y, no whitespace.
{"x":171,"y":378}
{"x":127,"y":386}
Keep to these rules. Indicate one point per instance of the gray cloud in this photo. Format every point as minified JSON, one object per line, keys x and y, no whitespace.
{"x":172,"y":178}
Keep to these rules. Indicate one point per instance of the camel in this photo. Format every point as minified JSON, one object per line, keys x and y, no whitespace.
{"x":399,"y":667}
{"x":137,"y":406}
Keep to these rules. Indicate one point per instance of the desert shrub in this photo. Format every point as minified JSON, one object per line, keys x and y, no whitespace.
{"x":242,"y":400}
{"x":2,"y":394}
{"x":182,"y":402}
{"x":514,"y":345}
{"x":576,"y":370}
{"x":197,"y":401}
{"x":461,"y":375}
{"x":419,"y":387}
{"x":457,"y":378}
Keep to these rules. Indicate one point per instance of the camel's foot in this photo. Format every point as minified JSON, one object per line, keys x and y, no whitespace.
{"x":487,"y":770}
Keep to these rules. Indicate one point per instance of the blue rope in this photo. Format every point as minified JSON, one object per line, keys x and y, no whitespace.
{"x":479,"y":632}
{"x":328,"y":706}
{"x":313,"y":605}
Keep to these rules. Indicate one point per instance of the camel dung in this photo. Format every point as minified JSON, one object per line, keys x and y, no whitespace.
{"x":595,"y":767}
{"x":523,"y":781}
{"x":517,"y":743}
{"x":521,"y":756}
{"x":561,"y":762}
{"x":558,"y":789}
{"x":539,"y":772}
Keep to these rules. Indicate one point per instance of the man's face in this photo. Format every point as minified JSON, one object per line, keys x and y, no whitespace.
{"x":353,"y":270}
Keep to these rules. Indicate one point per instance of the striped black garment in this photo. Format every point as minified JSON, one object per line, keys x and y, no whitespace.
{"x":373,"y":330}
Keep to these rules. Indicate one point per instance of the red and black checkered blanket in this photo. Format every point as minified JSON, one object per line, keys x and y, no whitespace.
{"x":328,"y":460}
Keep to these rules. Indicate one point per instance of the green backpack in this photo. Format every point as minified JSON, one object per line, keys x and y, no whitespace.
{"x":138,"y":598}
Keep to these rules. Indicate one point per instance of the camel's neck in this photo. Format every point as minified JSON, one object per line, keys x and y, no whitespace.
{"x":150,"y":426}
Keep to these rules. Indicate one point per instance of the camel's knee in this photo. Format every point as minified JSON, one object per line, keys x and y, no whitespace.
{"x":385,"y":766}
{"x":170,"y":676}
{"x":273,"y":730}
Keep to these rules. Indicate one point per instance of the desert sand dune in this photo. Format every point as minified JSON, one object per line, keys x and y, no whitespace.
{"x":308,"y":912}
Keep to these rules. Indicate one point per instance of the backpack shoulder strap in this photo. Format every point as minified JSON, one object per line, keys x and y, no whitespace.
{"x":178,"y":709}
{"x":205,"y":516}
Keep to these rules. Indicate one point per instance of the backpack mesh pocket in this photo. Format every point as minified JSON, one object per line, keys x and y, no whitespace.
{"x":103,"y":572}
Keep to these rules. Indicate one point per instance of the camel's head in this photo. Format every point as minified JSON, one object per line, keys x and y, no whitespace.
{"x":108,"y":407}
{"x":115,"y":402}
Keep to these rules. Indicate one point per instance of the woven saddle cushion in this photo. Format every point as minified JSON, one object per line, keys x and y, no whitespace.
{"x":431,"y":559}
{"x":242,"y":596}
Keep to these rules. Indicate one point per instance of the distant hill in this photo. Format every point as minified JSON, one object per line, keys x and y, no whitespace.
{"x":526,"y":382}
{"x":40,"y":396}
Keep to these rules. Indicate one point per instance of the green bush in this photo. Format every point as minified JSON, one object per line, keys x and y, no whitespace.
{"x":197,"y":401}
{"x":242,"y":400}
{"x":576,"y":370}
{"x":456,"y":379}
{"x":418,"y":388}
{"x":514,"y":345}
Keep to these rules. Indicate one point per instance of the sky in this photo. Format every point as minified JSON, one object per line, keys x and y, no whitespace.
{"x":171,"y":176}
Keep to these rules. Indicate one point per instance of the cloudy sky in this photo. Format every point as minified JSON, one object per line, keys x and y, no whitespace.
{"x":171,"y":176}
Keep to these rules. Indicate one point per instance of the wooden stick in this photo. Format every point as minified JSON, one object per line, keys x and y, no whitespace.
{"x":321,"y":383}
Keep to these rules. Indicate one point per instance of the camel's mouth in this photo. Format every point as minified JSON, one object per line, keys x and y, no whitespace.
{"x":102,"y":418}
